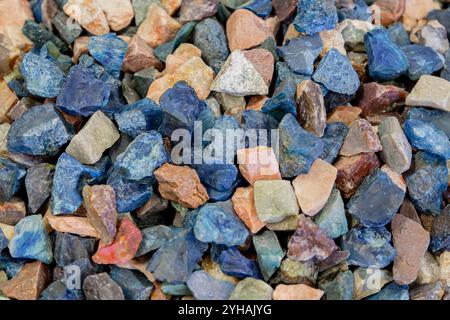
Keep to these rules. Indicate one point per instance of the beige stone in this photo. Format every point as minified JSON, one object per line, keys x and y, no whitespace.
{"x":13,"y":14}
{"x":430,"y":91}
{"x":119,"y":13}
{"x":444,"y":267}
{"x":428,"y":269}
{"x":75,"y":225}
{"x":7,"y":100}
{"x":180,"y":56}
{"x":296,"y":292}
{"x":88,"y":14}
{"x":344,"y":114}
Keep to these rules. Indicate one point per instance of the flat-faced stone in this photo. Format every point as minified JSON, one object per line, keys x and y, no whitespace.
{"x":332,"y":218}
{"x":301,"y":53}
{"x":364,"y":286}
{"x":338,"y":287}
{"x":252,"y":289}
{"x":434,"y":35}
{"x":430,"y":91}
{"x":8,"y":99}
{"x":296,"y":292}
{"x":233,"y":263}
{"x":332,"y":39}
{"x":74,"y":225}
{"x":196,"y":10}
{"x":333,"y":138}
{"x":361,"y":138}
{"x":205,"y":287}
{"x":102,"y":287}
{"x":244,"y":206}
{"x":139,"y":56}
{"x":269,"y":253}
{"x":422,"y":60}
{"x":314,"y":188}
{"x":392,"y":291}
{"x":409,"y":211}
{"x":181,"y":184}
{"x":11,"y":177}
{"x":259,"y":163}
{"x":80,"y":47}
{"x":344,"y":114}
{"x":28,"y":284}
{"x":313,"y":17}
{"x":440,"y":231}
{"x":12,"y":212}
{"x":38,"y":183}
{"x":311,"y":111}
{"x":11,"y":24}
{"x":119,"y":13}
{"x":88,"y":14}
{"x":379,"y":98}
{"x":180,"y":56}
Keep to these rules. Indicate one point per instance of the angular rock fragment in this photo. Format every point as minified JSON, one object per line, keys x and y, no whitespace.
{"x":70,"y":248}
{"x":259,"y":163}
{"x":109,"y":50}
{"x":422,"y":60}
{"x":74,"y":225}
{"x":134,"y":284}
{"x":269,"y":253}
{"x":296,"y":292}
{"x":311,"y":107}
{"x":361,"y":138}
{"x":368,"y":281}
{"x":233,"y":263}
{"x":119,"y":13}
{"x":313,"y":16}
{"x":430,"y":91}
{"x":205,"y":287}
{"x":392,"y":291}
{"x":88,"y":14}
{"x":102,"y":287}
{"x":339,"y":287}
{"x":12,"y":212}
{"x":244,"y":206}
{"x":331,"y":217}
{"x":440,"y":230}
{"x":252,"y":289}
{"x":333,"y":139}
{"x":38,"y":183}
{"x":379,"y":98}
{"x":428,"y":269}
{"x":195,"y":10}
{"x":139,"y":56}
{"x":301,"y":53}
{"x":429,"y":291}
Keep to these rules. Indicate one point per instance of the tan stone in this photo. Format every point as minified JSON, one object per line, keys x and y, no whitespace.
{"x":88,"y":14}
{"x":288,"y":224}
{"x":7,"y":100}
{"x":361,"y":138}
{"x":314,"y":188}
{"x":75,"y":225}
{"x":13,"y":211}
{"x":430,"y":91}
{"x":119,"y":13}
{"x":444,"y":267}
{"x":213,"y":268}
{"x":244,"y":205}
{"x":259,"y":163}
{"x":428,"y":269}
{"x":296,"y":292}
{"x":181,"y":184}
{"x":332,"y":39}
{"x":171,"y":6}
{"x":13,"y":14}
{"x":4,"y":128}
{"x":369,"y":281}
{"x":291,"y":33}
{"x":7,"y":230}
{"x":180,"y":56}
{"x":256,"y":102}
{"x":344,"y":114}
{"x":246,"y":30}
{"x":139,"y":56}
{"x":419,"y":9}
{"x":263,"y":61}
{"x":158,"y":27}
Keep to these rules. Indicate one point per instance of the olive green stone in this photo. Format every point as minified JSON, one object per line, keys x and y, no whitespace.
{"x":252,"y":289}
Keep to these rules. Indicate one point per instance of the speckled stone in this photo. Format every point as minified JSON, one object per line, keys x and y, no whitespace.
{"x":340,"y":287}
{"x":197,"y":10}
{"x":135,"y":286}
{"x":313,"y":16}
{"x":139,"y":56}
{"x":361,"y":138}
{"x":368,"y":281}
{"x":102,"y":287}
{"x":311,"y":108}
{"x":429,"y":291}
{"x":38,"y":183}
{"x":70,"y":248}
{"x":377,"y":98}
{"x":233,"y":263}
{"x":440,"y":230}
{"x":430,"y":91}
{"x":252,"y":289}
{"x":301,"y":53}
{"x":422,"y":60}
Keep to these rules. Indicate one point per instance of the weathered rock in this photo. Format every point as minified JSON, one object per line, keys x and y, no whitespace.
{"x":233,"y":263}
{"x":209,"y":37}
{"x":119,"y":13}
{"x":332,"y":39}
{"x":428,"y":269}
{"x":361,"y":138}
{"x":440,"y":230}
{"x":369,"y":281}
{"x":311,"y":111}
{"x":12,"y":212}
{"x":332,"y":218}
{"x":244,"y":206}
{"x":296,"y":292}
{"x":252,"y":289}
{"x":139,"y":56}
{"x":301,"y":53}
{"x":102,"y":287}
{"x":11,"y":24}
{"x":422,"y":60}
{"x":344,"y":114}
{"x":379,"y":98}
{"x":391,"y":11}
{"x":259,"y":163}
{"x":340,"y":287}
{"x":74,"y":225}
{"x":88,"y":14}
{"x":313,"y":17}
{"x":8,"y":98}
{"x":430,"y":91}
{"x":205,"y":287}
{"x":429,"y":291}
{"x":269,"y":253}
{"x":434,"y":35}
{"x":38,"y":183}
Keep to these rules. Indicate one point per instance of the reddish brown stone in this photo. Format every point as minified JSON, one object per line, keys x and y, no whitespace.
{"x":284,"y":8}
{"x":139,"y":56}
{"x":263,"y":61}
{"x":244,"y":205}
{"x":12,"y":212}
{"x":361,"y":138}
{"x":256,"y":102}
{"x":100,"y":205}
{"x":353,"y":170}
{"x":259,"y":163}
{"x":378,"y":98}
{"x":310,"y":242}
{"x":75,"y":121}
{"x":124,"y":247}
{"x":391,"y":10}
{"x":411,"y":242}
{"x":182,"y":185}
{"x":311,"y":112}
{"x":409,"y":211}
{"x":255,"y":33}
{"x":155,"y":204}
{"x":28,"y":284}
{"x":296,"y":292}
{"x":344,"y":114}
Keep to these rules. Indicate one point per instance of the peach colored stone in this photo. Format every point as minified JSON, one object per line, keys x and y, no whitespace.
{"x":28,"y":283}
{"x":415,"y":11}
{"x":391,"y":11}
{"x":13,"y":14}
{"x":119,"y":13}
{"x":361,"y":138}
{"x":273,"y":24}
{"x":158,"y":27}
{"x":314,"y":188}
{"x":8,"y":99}
{"x":345,"y":114}
{"x":244,"y":205}
{"x":256,"y":102}
{"x":80,"y":47}
{"x":13,"y":211}
{"x":246,"y":30}
{"x":71,"y":224}
{"x":7,"y":230}
{"x":296,"y":292}
{"x":88,"y":14}
{"x":139,"y":56}
{"x":180,"y":56}
{"x":171,"y":6}
{"x":181,"y":184}
{"x":263,"y":61}
{"x":259,"y":163}
{"x":195,"y":72}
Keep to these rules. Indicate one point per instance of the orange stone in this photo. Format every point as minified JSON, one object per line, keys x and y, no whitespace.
{"x":415,"y":11}
{"x":391,"y":11}
{"x":158,"y":27}
{"x":182,"y":185}
{"x":180,"y":56}
{"x":119,"y":13}
{"x":244,"y":205}
{"x":171,"y":6}
{"x":28,"y":283}
{"x":13,"y":14}
{"x":344,"y":114}
{"x":75,"y":225}
{"x":8,"y":99}
{"x":296,"y":292}
{"x":246,"y":30}
{"x":88,"y":14}
{"x":139,"y":56}
{"x":259,"y":163}
{"x":157,"y":293}
{"x":263,"y":61}
{"x":256,"y":102}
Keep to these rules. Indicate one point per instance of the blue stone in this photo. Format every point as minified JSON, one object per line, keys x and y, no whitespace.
{"x":422,"y":60}
{"x":70,"y":248}
{"x":42,"y":76}
{"x":398,"y":34}
{"x":83,"y":93}
{"x":142,"y":156}
{"x":262,"y":123}
{"x":58,"y":291}
{"x":175,"y":261}
{"x":31,"y":241}
{"x":84,"y":265}
{"x":209,"y":37}
{"x":358,"y":10}
{"x":134,"y":284}
{"x":336,"y":73}
{"x":377,"y":199}
{"x":331,"y":218}
{"x":445,"y":73}
{"x":369,"y":247}
{"x":440,"y":231}
{"x":439,"y":118}
{"x":314,"y":16}
{"x":269,"y":252}
{"x":425,"y":136}
{"x":182,"y":36}
{"x":109,"y":50}
{"x":443,"y":16}
{"x":205,"y":287}
{"x":66,"y":191}
{"x":10,"y":265}
{"x":3,"y":241}
{"x":40,"y":131}
{"x":261,"y":8}
{"x":142,"y":116}
{"x":301,"y":53}
{"x":218,"y":223}
{"x":298,"y":148}
{"x":154,"y":237}
{"x":282,"y":101}
{"x":283,"y":72}
{"x":233,"y":263}
{"x":386,"y":60}
{"x":11,"y":177}
{"x":333,"y":139}
{"x":180,"y":289}
{"x":427,"y":182}
{"x":340,"y":287}
{"x":224,"y":195}
{"x":392,"y":291}
{"x":116,"y":102}
{"x":333,"y":99}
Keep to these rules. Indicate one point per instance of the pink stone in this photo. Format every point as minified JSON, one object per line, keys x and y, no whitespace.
{"x":244,"y":205}
{"x":379,"y":98}
{"x":391,"y":11}
{"x":259,"y":163}
{"x":88,"y":14}
{"x":296,"y":292}
{"x":119,"y":13}
{"x":80,"y":47}
{"x":196,"y":10}
{"x":139,"y":56}
{"x":361,"y":138}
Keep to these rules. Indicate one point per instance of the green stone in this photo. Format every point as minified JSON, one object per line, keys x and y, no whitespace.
{"x":340,"y":287}
{"x":252,"y":289}
{"x":332,"y":217}
{"x":269,"y":253}
{"x":296,"y":272}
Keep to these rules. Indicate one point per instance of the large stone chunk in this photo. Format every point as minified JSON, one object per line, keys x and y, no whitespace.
{"x":11,"y":24}
{"x":252,"y":289}
{"x":233,"y":263}
{"x":259,"y":163}
{"x":244,"y":205}
{"x":209,"y":37}
{"x":315,"y":16}
{"x":74,"y":225}
{"x":38,"y":183}
{"x":269,"y":252}
{"x":89,"y":14}
{"x":411,"y":242}
{"x":422,"y":60}
{"x":119,"y":13}
{"x":340,"y":287}
{"x":430,"y":91}
{"x":205,"y":287}
{"x":13,"y":211}
{"x":440,"y":230}
{"x":377,"y":98}
{"x":361,"y":138}
{"x":181,"y":184}
{"x":70,"y":248}
{"x":364,"y":284}
{"x":311,"y":112}
{"x":333,"y":139}
{"x":332,"y":218}
{"x":301,"y":53}
{"x":139,"y":56}
{"x":296,"y":292}
{"x":102,"y":287}
{"x":196,"y":10}
{"x":110,"y":51}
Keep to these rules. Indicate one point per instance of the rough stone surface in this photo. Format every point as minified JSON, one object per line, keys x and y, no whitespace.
{"x":313,"y":16}
{"x":332,"y":218}
{"x":119,"y":13}
{"x":205,"y":287}
{"x":311,"y":107}
{"x":252,"y":289}
{"x":12,"y":212}
{"x":361,"y":138}
{"x":431,"y":92}
{"x":88,"y":14}
{"x":296,"y":292}
{"x":102,"y":287}
{"x":269,"y":253}
{"x":244,"y":206}
{"x":377,"y":98}
{"x":139,"y":56}
{"x":363,"y":287}
{"x":259,"y":163}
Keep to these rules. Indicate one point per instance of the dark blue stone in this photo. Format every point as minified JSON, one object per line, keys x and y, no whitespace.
{"x":298,"y":148}
{"x":84,"y":265}
{"x":39,"y":35}
{"x":262,"y":123}
{"x":386,"y":60}
{"x":58,"y":291}
{"x":31,"y":241}
{"x":315,"y":16}
{"x":422,"y":60}
{"x":42,"y":76}
{"x":301,"y":53}
{"x":10,"y":265}
{"x":134,"y":284}
{"x":283,"y":100}
{"x":336,"y":73}
{"x":210,"y":38}
{"x":218,"y":223}
{"x":440,"y":231}
{"x":3,"y":241}
{"x":205,"y":287}
{"x":283,"y":72}
{"x":154,"y":237}
{"x":66,"y":191}
{"x":445,"y":73}
{"x":175,"y":261}
{"x":427,"y":182}
{"x":116,"y":102}
{"x":261,"y":8}
{"x":398,"y":34}
{"x":392,"y":291}
{"x":359,"y":10}
{"x":70,"y":248}
{"x":377,"y":199}
{"x":439,"y":118}
{"x":11,"y":176}
{"x":83,"y":93}
{"x":109,"y":50}
{"x":141,"y":116}
{"x":333,"y":99}
{"x":233,"y":263}
{"x":333,"y":139}
{"x":38,"y":183}
{"x":369,"y":247}
{"x":40,"y":131}
{"x":425,"y":136}
{"x":224,"y":195}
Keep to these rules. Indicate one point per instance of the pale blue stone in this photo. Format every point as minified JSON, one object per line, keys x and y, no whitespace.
{"x":205,"y":287}
{"x":422,"y":61}
{"x":332,"y":218}
{"x":315,"y":16}
{"x":110,"y":51}
{"x":269,"y":252}
{"x":301,"y":53}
